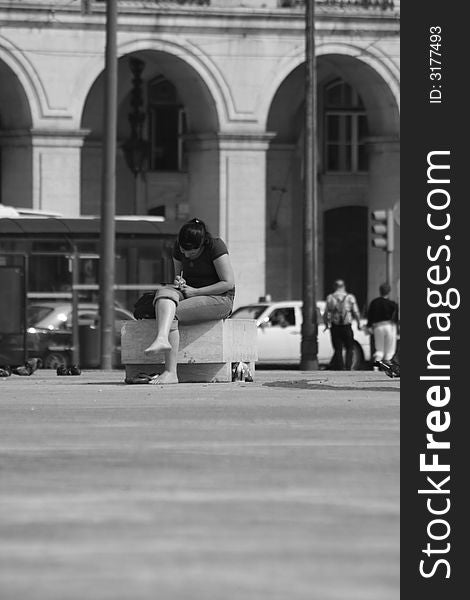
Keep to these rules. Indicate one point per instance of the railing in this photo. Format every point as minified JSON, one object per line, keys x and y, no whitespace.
{"x":157,"y":2}
{"x":345,"y":4}
{"x":87,"y":6}
{"x":363,"y":4}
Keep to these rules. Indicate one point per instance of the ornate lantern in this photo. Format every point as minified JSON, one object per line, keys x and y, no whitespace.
{"x":135,"y":147}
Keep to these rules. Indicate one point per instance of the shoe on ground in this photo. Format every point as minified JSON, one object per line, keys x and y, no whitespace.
{"x":24,"y":370}
{"x":249,"y":377}
{"x":395,"y":368}
{"x":388,"y":368}
{"x":138,"y":379}
{"x":33,"y":364}
{"x":382,"y":365}
{"x":5,"y":371}
{"x":241,"y":372}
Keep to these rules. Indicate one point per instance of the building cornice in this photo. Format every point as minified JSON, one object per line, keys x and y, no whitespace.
{"x":253,"y":141}
{"x":200,"y":18}
{"x":73,"y":138}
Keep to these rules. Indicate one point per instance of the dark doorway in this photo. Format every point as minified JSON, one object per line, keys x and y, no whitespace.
{"x":345,"y":252}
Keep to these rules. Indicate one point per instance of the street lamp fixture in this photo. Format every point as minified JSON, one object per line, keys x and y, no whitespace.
{"x":135,"y":148}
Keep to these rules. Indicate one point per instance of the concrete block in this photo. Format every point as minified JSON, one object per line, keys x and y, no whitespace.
{"x":206,"y":353}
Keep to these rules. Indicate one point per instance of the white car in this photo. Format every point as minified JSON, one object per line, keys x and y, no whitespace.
{"x":279,"y":333}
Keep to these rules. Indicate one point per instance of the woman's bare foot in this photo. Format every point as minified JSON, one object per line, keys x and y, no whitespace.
{"x":158,"y":346}
{"x":164,"y":378}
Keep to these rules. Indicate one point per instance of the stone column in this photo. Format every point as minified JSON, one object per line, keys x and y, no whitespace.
{"x":41,"y":170}
{"x":227,"y":183}
{"x":16,"y":168}
{"x":284,"y":243}
{"x":56,"y":170}
{"x":384,"y":193}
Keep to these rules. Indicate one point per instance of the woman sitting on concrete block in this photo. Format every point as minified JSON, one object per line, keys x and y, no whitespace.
{"x":203,"y":290}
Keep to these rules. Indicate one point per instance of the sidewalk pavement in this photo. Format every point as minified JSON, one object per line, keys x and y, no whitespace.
{"x":361,"y":380}
{"x":286,"y":488}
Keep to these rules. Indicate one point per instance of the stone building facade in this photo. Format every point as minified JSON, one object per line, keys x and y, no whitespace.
{"x":219,"y":87}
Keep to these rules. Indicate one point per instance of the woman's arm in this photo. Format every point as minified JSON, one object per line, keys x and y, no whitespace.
{"x":223,"y":266}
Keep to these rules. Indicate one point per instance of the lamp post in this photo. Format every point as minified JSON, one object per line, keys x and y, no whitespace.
{"x":309,"y":344}
{"x":135,"y":147}
{"x":108,"y":201}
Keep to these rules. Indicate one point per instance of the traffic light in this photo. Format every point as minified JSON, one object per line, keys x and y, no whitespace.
{"x":382,"y":229}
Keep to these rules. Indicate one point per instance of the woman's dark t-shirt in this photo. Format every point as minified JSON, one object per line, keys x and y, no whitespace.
{"x":200,"y":272}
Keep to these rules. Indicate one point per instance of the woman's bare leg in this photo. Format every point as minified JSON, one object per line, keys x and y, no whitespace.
{"x":165,"y":313}
{"x":169,"y":375}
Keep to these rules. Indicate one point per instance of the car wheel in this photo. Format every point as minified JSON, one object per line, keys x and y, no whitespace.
{"x":55,"y":360}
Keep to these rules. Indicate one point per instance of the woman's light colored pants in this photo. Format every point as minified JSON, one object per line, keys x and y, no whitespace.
{"x":196,"y":309}
{"x":385,"y":340}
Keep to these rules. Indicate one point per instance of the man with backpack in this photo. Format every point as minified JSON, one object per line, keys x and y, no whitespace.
{"x":341,"y":309}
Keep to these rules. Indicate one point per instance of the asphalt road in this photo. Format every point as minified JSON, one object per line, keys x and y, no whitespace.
{"x":282,"y":489}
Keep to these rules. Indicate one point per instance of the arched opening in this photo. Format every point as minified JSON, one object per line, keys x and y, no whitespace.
{"x":355,"y":109}
{"x":175,"y":109}
{"x":16,"y":176}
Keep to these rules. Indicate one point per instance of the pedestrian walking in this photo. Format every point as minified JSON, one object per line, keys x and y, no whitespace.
{"x":382,"y":320}
{"x":341,"y":310}
{"x":203,"y":290}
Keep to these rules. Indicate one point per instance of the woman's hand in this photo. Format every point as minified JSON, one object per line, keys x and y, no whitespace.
{"x":179,"y":281}
{"x":188,"y":291}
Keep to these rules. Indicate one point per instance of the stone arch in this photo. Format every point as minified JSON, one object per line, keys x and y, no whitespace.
{"x":380,"y":77}
{"x":375,"y":78}
{"x":19,"y":96}
{"x":18,"y":112}
{"x":168,"y":193}
{"x":182,"y":59}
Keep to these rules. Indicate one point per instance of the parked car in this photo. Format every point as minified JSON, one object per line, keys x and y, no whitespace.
{"x":279,"y":333}
{"x":49,"y":332}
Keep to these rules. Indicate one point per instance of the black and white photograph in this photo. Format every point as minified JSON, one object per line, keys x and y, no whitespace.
{"x":202,"y":303}
{"x":433,"y":416}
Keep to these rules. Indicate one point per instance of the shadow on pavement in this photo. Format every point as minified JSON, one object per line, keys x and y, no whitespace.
{"x":305,"y":384}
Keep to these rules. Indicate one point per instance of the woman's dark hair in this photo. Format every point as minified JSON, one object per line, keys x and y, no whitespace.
{"x":193,"y":235}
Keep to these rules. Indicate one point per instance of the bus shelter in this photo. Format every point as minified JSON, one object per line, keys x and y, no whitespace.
{"x":56,"y":260}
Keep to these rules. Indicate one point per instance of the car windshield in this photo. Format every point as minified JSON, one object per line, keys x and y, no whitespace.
{"x":249,"y":312}
{"x":37,"y":313}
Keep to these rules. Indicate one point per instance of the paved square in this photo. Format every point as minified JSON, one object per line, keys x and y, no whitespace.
{"x":282,"y":489}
